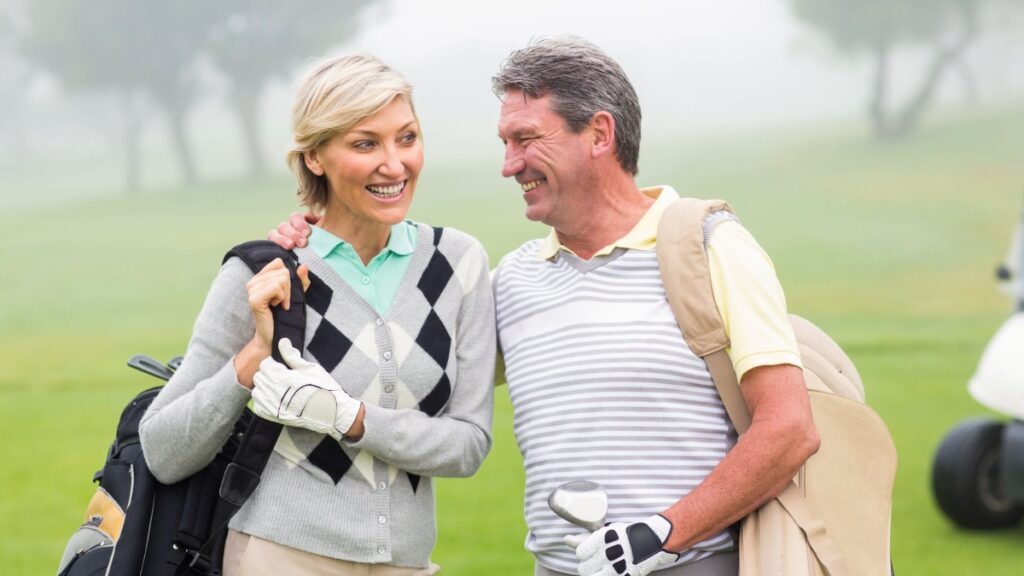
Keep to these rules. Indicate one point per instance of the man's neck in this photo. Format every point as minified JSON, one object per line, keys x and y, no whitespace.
{"x":612,"y":214}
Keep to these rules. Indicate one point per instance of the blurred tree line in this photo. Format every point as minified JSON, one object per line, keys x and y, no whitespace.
{"x":152,"y":50}
{"x":946,"y":29}
{"x":153,"y":55}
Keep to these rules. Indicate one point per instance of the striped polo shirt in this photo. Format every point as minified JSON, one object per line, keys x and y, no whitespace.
{"x":604,"y":388}
{"x":602,"y":383}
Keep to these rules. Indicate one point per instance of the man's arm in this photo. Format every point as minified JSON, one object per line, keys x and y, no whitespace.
{"x":780,"y":439}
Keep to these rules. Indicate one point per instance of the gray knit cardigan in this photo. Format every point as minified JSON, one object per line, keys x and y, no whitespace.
{"x":424,"y":372}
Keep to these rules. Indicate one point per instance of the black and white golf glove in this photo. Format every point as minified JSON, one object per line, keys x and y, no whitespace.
{"x":619,"y":548}
{"x":305,"y":396}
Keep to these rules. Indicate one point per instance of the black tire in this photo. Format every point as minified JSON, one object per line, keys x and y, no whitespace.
{"x":966,"y":477}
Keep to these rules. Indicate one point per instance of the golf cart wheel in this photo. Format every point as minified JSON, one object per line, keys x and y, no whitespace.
{"x":966,"y":477}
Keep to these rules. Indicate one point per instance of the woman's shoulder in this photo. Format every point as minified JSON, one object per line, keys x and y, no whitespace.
{"x":447,"y":239}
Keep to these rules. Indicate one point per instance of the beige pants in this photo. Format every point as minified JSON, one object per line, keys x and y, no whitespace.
{"x":246,"y":555}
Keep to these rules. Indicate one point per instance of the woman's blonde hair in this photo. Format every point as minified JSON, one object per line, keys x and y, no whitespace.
{"x":335,"y":95}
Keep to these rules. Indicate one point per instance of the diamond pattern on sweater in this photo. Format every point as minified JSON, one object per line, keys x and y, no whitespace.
{"x":366,"y":342}
{"x":364,"y":464}
{"x":467,"y":270}
{"x":329,"y":457}
{"x":435,"y":277}
{"x":318,"y":294}
{"x":328,"y":345}
{"x":433,"y":402}
{"x":435,"y":340}
{"x":402,"y":341}
{"x":287,"y":449}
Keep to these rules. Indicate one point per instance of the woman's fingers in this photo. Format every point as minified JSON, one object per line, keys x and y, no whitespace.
{"x":270,"y":286}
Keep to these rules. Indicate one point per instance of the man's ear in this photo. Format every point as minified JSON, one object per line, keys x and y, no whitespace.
{"x":602,"y":126}
{"x":312,"y":162}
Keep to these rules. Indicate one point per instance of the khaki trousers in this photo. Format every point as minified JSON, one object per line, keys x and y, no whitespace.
{"x":246,"y":555}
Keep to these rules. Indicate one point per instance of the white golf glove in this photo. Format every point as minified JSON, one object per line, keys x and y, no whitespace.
{"x":618,"y":548}
{"x":305,"y":396}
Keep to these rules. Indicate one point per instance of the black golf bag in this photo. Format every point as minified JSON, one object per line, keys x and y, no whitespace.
{"x":136,"y":525}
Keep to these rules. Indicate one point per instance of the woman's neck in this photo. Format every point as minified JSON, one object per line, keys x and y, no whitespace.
{"x":367,"y":237}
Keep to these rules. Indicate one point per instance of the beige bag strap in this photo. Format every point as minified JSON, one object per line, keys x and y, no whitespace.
{"x":828,"y":554}
{"x":686,"y":275}
{"x":825,"y":549}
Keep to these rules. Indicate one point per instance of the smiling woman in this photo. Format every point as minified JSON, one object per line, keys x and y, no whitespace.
{"x":394,"y":383}
{"x":371,"y":173}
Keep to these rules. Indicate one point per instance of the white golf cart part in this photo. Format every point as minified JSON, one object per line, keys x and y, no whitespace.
{"x":997,"y":383}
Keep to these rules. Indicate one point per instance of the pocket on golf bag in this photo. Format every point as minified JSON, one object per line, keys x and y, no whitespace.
{"x":88,"y":551}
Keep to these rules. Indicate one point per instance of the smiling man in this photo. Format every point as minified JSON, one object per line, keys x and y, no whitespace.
{"x":603,"y":385}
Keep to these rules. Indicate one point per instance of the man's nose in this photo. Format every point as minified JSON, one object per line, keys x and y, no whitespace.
{"x":514,"y":163}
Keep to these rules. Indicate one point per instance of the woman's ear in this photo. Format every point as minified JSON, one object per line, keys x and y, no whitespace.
{"x":312,"y":162}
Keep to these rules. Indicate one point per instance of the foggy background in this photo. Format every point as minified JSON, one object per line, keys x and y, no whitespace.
{"x":80,"y":81}
{"x":875,"y":148}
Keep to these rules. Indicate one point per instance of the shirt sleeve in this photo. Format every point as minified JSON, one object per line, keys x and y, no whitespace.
{"x":751,"y":301}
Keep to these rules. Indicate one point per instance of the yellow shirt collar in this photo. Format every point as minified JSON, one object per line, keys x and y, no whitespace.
{"x":642,"y":237}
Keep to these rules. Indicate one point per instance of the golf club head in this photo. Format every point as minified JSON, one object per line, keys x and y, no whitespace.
{"x":581,"y":502}
{"x":150,"y":366}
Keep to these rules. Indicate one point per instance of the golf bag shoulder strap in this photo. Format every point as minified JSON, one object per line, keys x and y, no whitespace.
{"x":243,"y":474}
{"x":289,"y":323}
{"x":683,"y":234}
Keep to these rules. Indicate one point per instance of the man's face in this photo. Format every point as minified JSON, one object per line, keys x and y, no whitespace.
{"x":547,"y":160}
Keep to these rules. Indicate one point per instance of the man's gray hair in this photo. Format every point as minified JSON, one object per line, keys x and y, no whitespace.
{"x":583,"y":80}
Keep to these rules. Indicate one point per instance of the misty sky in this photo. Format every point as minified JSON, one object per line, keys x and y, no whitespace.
{"x":700,"y":68}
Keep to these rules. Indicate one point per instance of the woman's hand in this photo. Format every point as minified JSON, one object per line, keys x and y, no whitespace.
{"x":271,"y":286}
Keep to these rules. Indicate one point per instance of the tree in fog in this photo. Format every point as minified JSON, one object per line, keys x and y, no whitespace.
{"x":263,"y":40}
{"x":945,"y":28}
{"x":14,"y":76}
{"x":135,"y":48}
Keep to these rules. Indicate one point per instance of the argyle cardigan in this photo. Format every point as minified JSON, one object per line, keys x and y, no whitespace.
{"x":424,"y":372}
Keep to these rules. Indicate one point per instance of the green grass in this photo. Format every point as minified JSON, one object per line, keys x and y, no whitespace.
{"x":891,"y":249}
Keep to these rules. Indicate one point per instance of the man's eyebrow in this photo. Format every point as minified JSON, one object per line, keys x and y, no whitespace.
{"x":516,"y":132}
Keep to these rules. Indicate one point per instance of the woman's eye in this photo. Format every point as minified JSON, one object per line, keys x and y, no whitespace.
{"x":363,"y":145}
{"x":409,"y":138}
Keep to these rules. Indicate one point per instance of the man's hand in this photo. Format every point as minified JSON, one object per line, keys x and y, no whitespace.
{"x":619,"y":549}
{"x":305,"y":396}
{"x":293,"y":231}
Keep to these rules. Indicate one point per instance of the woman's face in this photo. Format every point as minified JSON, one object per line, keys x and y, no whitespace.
{"x":372,"y":170}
